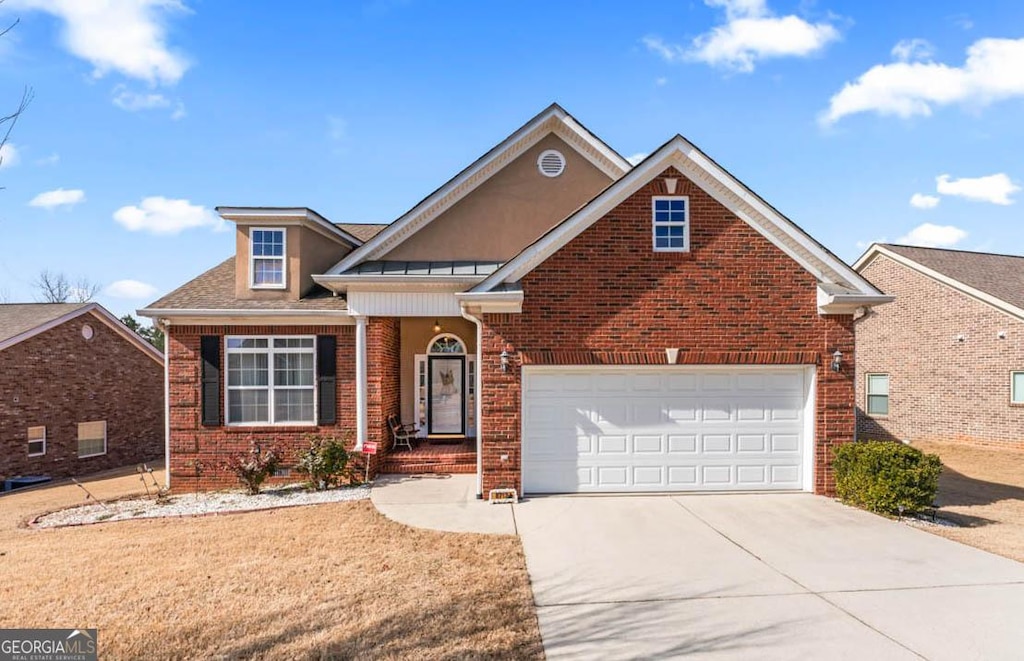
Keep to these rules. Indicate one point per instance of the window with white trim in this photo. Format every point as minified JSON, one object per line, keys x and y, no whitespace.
{"x":266,"y":262}
{"x":670,"y":227}
{"x":878,"y":394}
{"x":92,"y":439}
{"x":270,"y":380}
{"x":1017,"y":387}
{"x":36,"y":441}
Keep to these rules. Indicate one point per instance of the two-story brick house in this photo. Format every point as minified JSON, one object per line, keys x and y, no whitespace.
{"x":589,"y":325}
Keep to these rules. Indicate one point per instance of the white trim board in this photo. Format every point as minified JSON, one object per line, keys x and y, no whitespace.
{"x":999,"y":304}
{"x":288,"y":216}
{"x":552,"y":120}
{"x":101,"y":314}
{"x":718,"y":183}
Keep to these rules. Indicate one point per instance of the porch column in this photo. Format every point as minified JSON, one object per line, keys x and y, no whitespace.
{"x":360,"y":381}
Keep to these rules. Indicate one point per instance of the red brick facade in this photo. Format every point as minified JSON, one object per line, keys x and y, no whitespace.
{"x":940,"y":388}
{"x":58,"y":378}
{"x":608,"y":297}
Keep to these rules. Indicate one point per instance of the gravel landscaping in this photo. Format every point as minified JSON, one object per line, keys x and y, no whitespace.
{"x":197,"y":505}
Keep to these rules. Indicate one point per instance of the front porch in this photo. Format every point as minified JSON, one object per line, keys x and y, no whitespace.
{"x":432,"y":457}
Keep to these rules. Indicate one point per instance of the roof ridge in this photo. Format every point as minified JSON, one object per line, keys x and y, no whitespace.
{"x":960,"y":250}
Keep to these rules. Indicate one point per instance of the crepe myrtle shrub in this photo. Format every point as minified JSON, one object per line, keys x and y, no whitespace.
{"x":254,"y":466}
{"x":886,"y":477}
{"x":324,"y":463}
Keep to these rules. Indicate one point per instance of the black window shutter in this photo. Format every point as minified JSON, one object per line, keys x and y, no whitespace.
{"x":209,"y":347}
{"x":326,"y":379}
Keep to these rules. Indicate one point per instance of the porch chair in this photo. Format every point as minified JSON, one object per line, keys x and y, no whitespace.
{"x":403,"y":434}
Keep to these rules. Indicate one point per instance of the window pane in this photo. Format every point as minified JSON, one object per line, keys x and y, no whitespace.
{"x":246,"y":343}
{"x":36,"y":433}
{"x":268,"y":271}
{"x":92,"y":438}
{"x":247,"y":369}
{"x":293,"y":343}
{"x":676,"y":242}
{"x":248,"y":406}
{"x":293,"y":405}
{"x":661,"y":205}
{"x":676,"y":231}
{"x":661,"y":242}
{"x":878,"y":384}
{"x":1018,"y":388}
{"x":678,"y":205}
{"x":661,"y":216}
{"x":878,"y":404}
{"x":660,"y":230}
{"x":293,"y":369}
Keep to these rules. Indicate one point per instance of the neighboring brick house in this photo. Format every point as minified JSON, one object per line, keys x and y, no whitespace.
{"x":79,"y":391}
{"x":580,"y":323}
{"x":945,"y":362}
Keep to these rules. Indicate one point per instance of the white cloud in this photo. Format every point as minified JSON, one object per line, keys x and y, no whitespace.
{"x":58,"y":198}
{"x":993,"y":71}
{"x":179,"y":112}
{"x":661,"y":82}
{"x":130,"y":289}
{"x":126,"y":36}
{"x":636,"y":158}
{"x":913,"y":50}
{"x":751,"y":33}
{"x":919,"y":201}
{"x":161,"y":215}
{"x":9,"y":156}
{"x":52,"y":159}
{"x":928,"y":235}
{"x":995,"y":188}
{"x":126,"y":99}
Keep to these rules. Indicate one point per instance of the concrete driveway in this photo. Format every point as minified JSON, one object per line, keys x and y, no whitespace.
{"x":760,"y":576}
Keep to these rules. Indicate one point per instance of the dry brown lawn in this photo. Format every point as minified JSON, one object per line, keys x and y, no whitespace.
{"x":982,"y":489}
{"x":319,"y":582}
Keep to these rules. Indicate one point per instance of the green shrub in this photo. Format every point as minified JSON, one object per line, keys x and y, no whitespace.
{"x":886,"y":477}
{"x":325,"y":463}
{"x":254,"y":466}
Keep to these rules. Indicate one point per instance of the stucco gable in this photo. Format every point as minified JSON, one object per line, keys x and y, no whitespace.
{"x":552,"y":121}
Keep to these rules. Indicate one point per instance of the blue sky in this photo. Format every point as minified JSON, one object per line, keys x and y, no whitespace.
{"x":148,"y":113}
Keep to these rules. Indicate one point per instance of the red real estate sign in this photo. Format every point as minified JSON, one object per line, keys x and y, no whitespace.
{"x":369,"y":448}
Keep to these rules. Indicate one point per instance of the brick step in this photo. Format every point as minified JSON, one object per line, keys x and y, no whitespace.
{"x":435,"y":468}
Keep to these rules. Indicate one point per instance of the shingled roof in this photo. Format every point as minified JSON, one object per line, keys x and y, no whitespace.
{"x":16,"y":318}
{"x":1001,"y":276}
{"x":215,"y":289}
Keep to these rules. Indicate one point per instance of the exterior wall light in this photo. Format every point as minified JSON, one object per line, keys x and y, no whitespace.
{"x":437,"y":326}
{"x":837,"y":361}
{"x":504,"y":360}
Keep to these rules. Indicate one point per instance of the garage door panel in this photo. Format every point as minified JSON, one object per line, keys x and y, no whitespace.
{"x":661,"y":431}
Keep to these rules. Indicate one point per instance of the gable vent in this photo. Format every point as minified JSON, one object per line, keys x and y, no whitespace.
{"x":551,"y":163}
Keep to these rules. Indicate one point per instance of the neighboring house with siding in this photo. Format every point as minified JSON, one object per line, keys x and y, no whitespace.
{"x":577,"y":323}
{"x":79,"y":391}
{"x":945,"y":361}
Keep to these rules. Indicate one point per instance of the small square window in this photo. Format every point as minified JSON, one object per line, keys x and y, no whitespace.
{"x":878,"y":394}
{"x":36,"y":441}
{"x":92,"y":439}
{"x":1017,"y":387}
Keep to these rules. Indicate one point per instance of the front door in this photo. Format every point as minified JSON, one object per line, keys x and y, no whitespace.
{"x":447,"y":387}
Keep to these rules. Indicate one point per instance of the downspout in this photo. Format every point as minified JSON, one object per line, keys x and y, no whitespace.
{"x":360,"y":382}
{"x":165,"y":327}
{"x":478,"y":388}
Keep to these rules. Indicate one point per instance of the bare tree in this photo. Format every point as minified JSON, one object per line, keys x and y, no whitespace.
{"x":56,"y":288}
{"x":7,"y":122}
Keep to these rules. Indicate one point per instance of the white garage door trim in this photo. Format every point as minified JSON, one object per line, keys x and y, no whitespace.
{"x":806,"y":426}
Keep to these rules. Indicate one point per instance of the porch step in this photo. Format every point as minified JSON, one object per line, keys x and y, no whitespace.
{"x":431,"y":458}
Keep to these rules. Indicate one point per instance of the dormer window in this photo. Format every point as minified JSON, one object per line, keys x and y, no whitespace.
{"x":671,"y":224}
{"x":266,"y":263}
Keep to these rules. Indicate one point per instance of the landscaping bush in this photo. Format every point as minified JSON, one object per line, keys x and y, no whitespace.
{"x":325,"y":463}
{"x":886,"y":477}
{"x":253,"y":467}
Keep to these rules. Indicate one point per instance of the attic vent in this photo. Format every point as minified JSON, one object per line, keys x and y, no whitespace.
{"x":551,"y":163}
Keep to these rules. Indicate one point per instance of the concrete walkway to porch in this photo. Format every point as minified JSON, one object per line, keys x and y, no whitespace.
{"x":440,"y":502}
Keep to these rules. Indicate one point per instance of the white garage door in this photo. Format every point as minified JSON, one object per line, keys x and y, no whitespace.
{"x":666,"y":429}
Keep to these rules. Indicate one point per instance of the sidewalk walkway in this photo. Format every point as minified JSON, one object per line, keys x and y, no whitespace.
{"x":440,"y":502}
